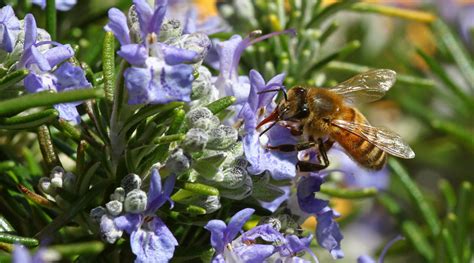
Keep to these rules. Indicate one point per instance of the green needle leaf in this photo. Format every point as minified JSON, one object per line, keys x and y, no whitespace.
{"x":47,"y":99}
{"x":29,"y":121}
{"x":427,"y":211}
{"x":349,"y":193}
{"x":14,"y":239}
{"x":108,"y":65}
{"x":201,"y":188}
{"x":453,"y":45}
{"x":415,"y":235}
{"x":51,"y":18}
{"x":169,"y":138}
{"x":6,"y":165}
{"x":221,"y":104}
{"x":92,"y":247}
{"x":13,"y":78}
{"x":195,"y":210}
{"x":462,"y":213}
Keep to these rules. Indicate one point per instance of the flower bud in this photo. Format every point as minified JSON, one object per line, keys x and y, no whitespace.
{"x":119,"y":194}
{"x":206,"y":124}
{"x":131,"y":182}
{"x":195,"y":140}
{"x":239,"y":193}
{"x":273,"y":221}
{"x":170,"y":30}
{"x":109,"y":231}
{"x":134,"y":25}
{"x":202,"y":86}
{"x":46,"y":186}
{"x":135,"y":202}
{"x":222,"y":137}
{"x":197,"y":42}
{"x":114,"y":207}
{"x":69,"y":181}
{"x":56,"y":177}
{"x":233,"y":177}
{"x":178,"y":162}
{"x":211,"y":203}
{"x":196,"y":114}
{"x":97,"y":213}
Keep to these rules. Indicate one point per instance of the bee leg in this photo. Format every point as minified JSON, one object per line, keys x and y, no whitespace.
{"x":323,"y":148}
{"x":304,"y":166}
{"x":292,"y":147}
{"x":295,"y":131}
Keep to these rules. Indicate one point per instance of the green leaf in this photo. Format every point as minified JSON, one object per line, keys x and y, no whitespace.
{"x":29,"y":121}
{"x":349,"y":193}
{"x":6,"y":165}
{"x":68,"y":250}
{"x":169,"y":138}
{"x":221,"y":104}
{"x":195,"y":210}
{"x":415,"y":235}
{"x":200,"y":188}
{"x":448,"y":192}
{"x":147,"y":112}
{"x":456,"y":49}
{"x":12,"y":78}
{"x":50,"y":156}
{"x":14,"y":239}
{"x":450,"y":246}
{"x":425,"y":208}
{"x":47,"y":99}
{"x":108,"y":65}
{"x":387,"y":10}
{"x":462,"y":213}
{"x":328,"y":11}
{"x":51,"y":18}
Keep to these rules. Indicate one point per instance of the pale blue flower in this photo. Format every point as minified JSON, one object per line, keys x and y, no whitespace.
{"x":367,"y":259}
{"x":49,"y":71}
{"x":61,"y":5}
{"x":158,"y":73}
{"x":9,"y":28}
{"x":150,"y":238}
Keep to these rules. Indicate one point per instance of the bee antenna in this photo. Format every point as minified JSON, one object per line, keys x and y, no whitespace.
{"x":267,"y":129}
{"x":281,"y":88}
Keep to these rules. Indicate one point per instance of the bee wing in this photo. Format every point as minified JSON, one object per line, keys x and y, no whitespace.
{"x":383,"y":138}
{"x":366,"y":87}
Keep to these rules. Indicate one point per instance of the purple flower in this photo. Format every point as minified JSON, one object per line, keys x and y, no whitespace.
{"x":328,"y":233}
{"x":281,"y":165}
{"x":245,"y":247}
{"x":150,"y":238}
{"x":9,"y":28}
{"x":158,"y":73}
{"x":22,"y":255}
{"x":229,"y":83}
{"x":47,"y":72}
{"x":62,"y":5}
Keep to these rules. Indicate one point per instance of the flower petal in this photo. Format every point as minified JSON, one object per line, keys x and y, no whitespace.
{"x":134,"y":54}
{"x":328,"y":234}
{"x":68,"y":111}
{"x":145,"y":13}
{"x":118,"y":25}
{"x":174,"y":55}
{"x":70,"y":77}
{"x":254,"y":253}
{"x":307,"y":201}
{"x":217,"y":228}
{"x":129,"y":222}
{"x":265,"y":232}
{"x":58,"y":54}
{"x":21,"y":254}
{"x":154,"y":245}
{"x":236,"y":223}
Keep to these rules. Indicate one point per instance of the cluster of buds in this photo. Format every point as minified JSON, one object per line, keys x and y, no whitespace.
{"x":128,"y":198}
{"x":58,"y":180}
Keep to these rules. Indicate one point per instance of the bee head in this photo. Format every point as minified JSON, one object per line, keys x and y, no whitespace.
{"x":292,"y":108}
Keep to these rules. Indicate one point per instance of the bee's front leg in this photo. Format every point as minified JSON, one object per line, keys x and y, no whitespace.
{"x":305,"y":166}
{"x":292,"y":147}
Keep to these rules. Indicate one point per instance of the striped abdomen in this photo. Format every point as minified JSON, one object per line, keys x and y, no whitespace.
{"x":362,"y":151}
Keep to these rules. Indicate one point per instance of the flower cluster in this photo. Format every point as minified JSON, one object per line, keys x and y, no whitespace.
{"x":276,"y":246}
{"x":47,"y":61}
{"x":133,"y":211}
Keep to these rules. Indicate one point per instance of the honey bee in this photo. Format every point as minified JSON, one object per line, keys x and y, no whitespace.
{"x":324,"y":116}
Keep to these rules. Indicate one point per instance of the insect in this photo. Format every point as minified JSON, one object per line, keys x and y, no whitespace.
{"x":324,"y":116}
